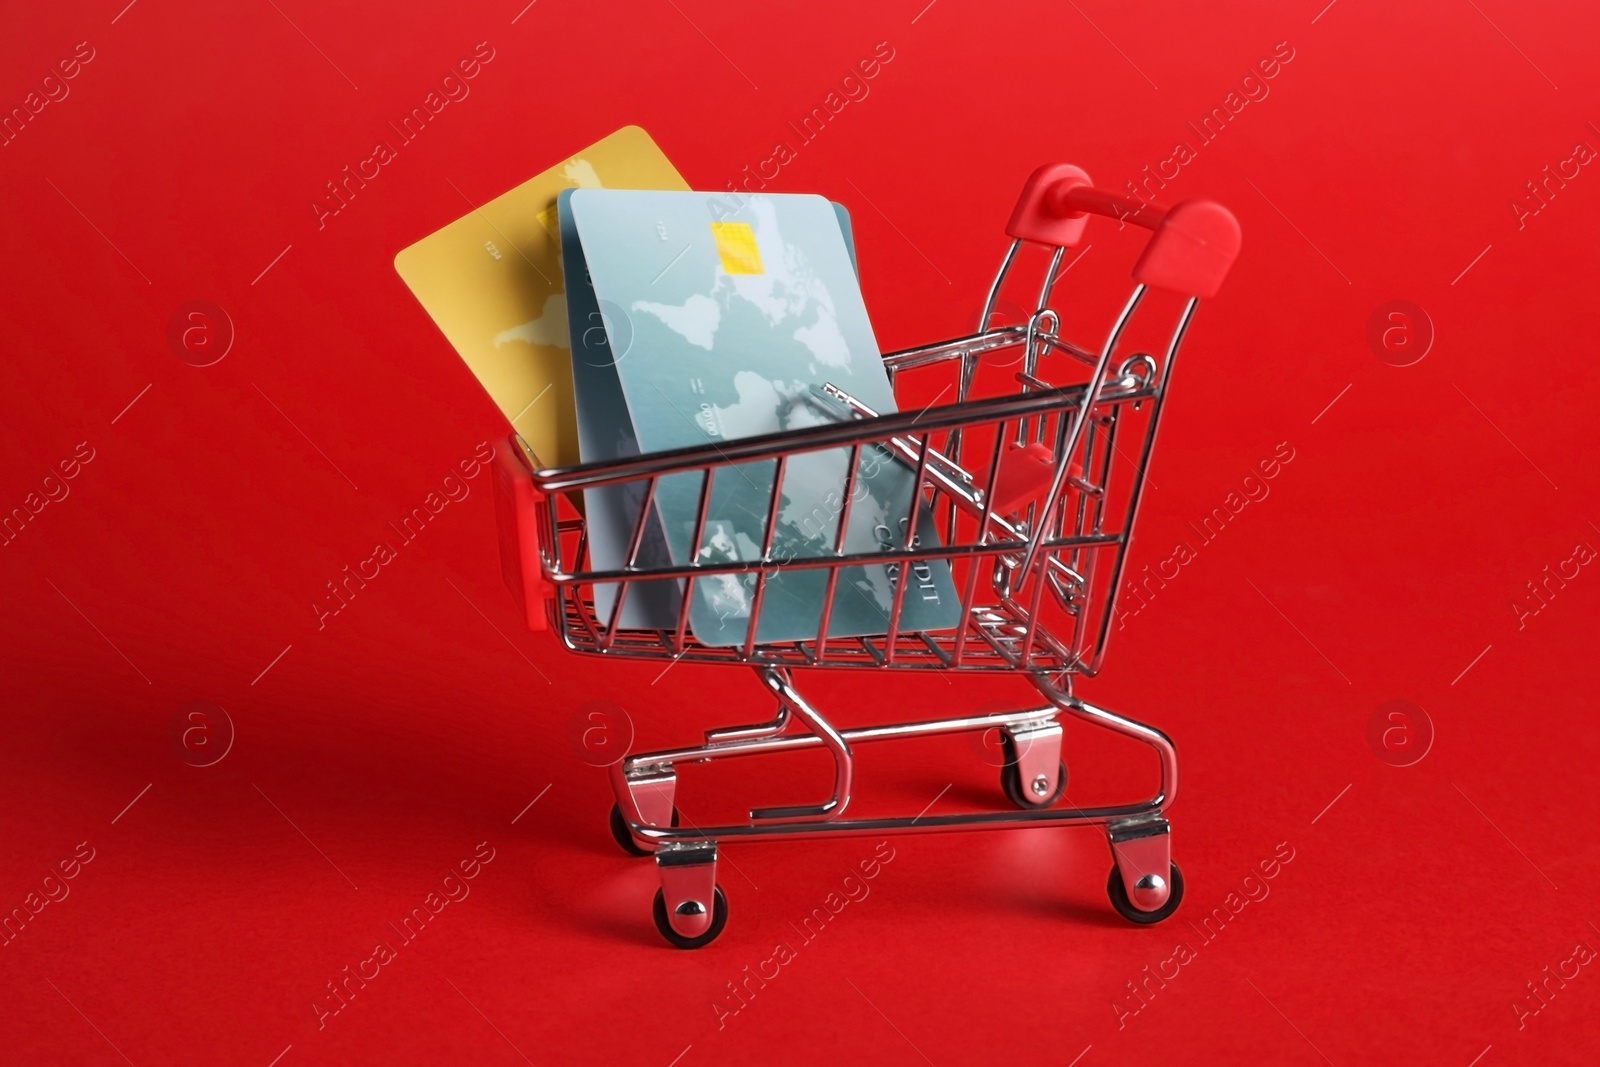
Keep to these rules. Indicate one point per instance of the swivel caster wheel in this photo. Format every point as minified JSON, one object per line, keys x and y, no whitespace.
{"x":624,"y":839}
{"x":1130,"y":911}
{"x":719,"y":919}
{"x":1034,"y":793}
{"x":1028,"y":797}
{"x":1031,"y":754}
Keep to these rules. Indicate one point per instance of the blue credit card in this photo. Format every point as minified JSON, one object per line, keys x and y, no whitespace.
{"x":719,"y":317}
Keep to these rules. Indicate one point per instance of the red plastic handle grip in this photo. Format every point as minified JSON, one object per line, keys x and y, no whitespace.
{"x":517,"y":522}
{"x":1192,"y":246}
{"x":1069,"y":198}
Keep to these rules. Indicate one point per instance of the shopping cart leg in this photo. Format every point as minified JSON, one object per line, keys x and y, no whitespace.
{"x":1145,"y":885}
{"x":690,"y":910}
{"x":781,"y":685}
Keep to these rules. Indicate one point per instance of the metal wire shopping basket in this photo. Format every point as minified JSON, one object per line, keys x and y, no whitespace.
{"x":1034,"y":493}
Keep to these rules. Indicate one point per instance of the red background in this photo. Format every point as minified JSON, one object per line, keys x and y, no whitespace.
{"x":1386,"y":558}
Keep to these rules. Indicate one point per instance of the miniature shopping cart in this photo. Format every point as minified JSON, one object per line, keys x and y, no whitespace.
{"x":1034,"y":492}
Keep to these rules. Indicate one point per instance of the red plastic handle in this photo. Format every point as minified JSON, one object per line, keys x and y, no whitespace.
{"x":1193,"y":243}
{"x":517,"y":521}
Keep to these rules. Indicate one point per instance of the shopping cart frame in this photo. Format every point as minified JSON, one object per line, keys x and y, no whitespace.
{"x":1036,"y":520}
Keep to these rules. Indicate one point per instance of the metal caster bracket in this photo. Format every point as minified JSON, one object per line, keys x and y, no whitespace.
{"x":688,"y":885}
{"x":645,"y":794}
{"x":1037,"y":746}
{"x":1142,"y":851}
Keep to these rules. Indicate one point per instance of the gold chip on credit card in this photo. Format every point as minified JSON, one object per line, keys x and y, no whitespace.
{"x":736,"y":246}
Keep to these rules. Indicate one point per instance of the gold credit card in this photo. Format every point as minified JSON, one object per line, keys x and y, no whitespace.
{"x":491,"y":281}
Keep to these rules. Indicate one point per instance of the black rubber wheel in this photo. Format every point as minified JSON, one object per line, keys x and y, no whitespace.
{"x":624,"y":840}
{"x":719,"y":919}
{"x":1125,"y":908}
{"x":1011,"y":784}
